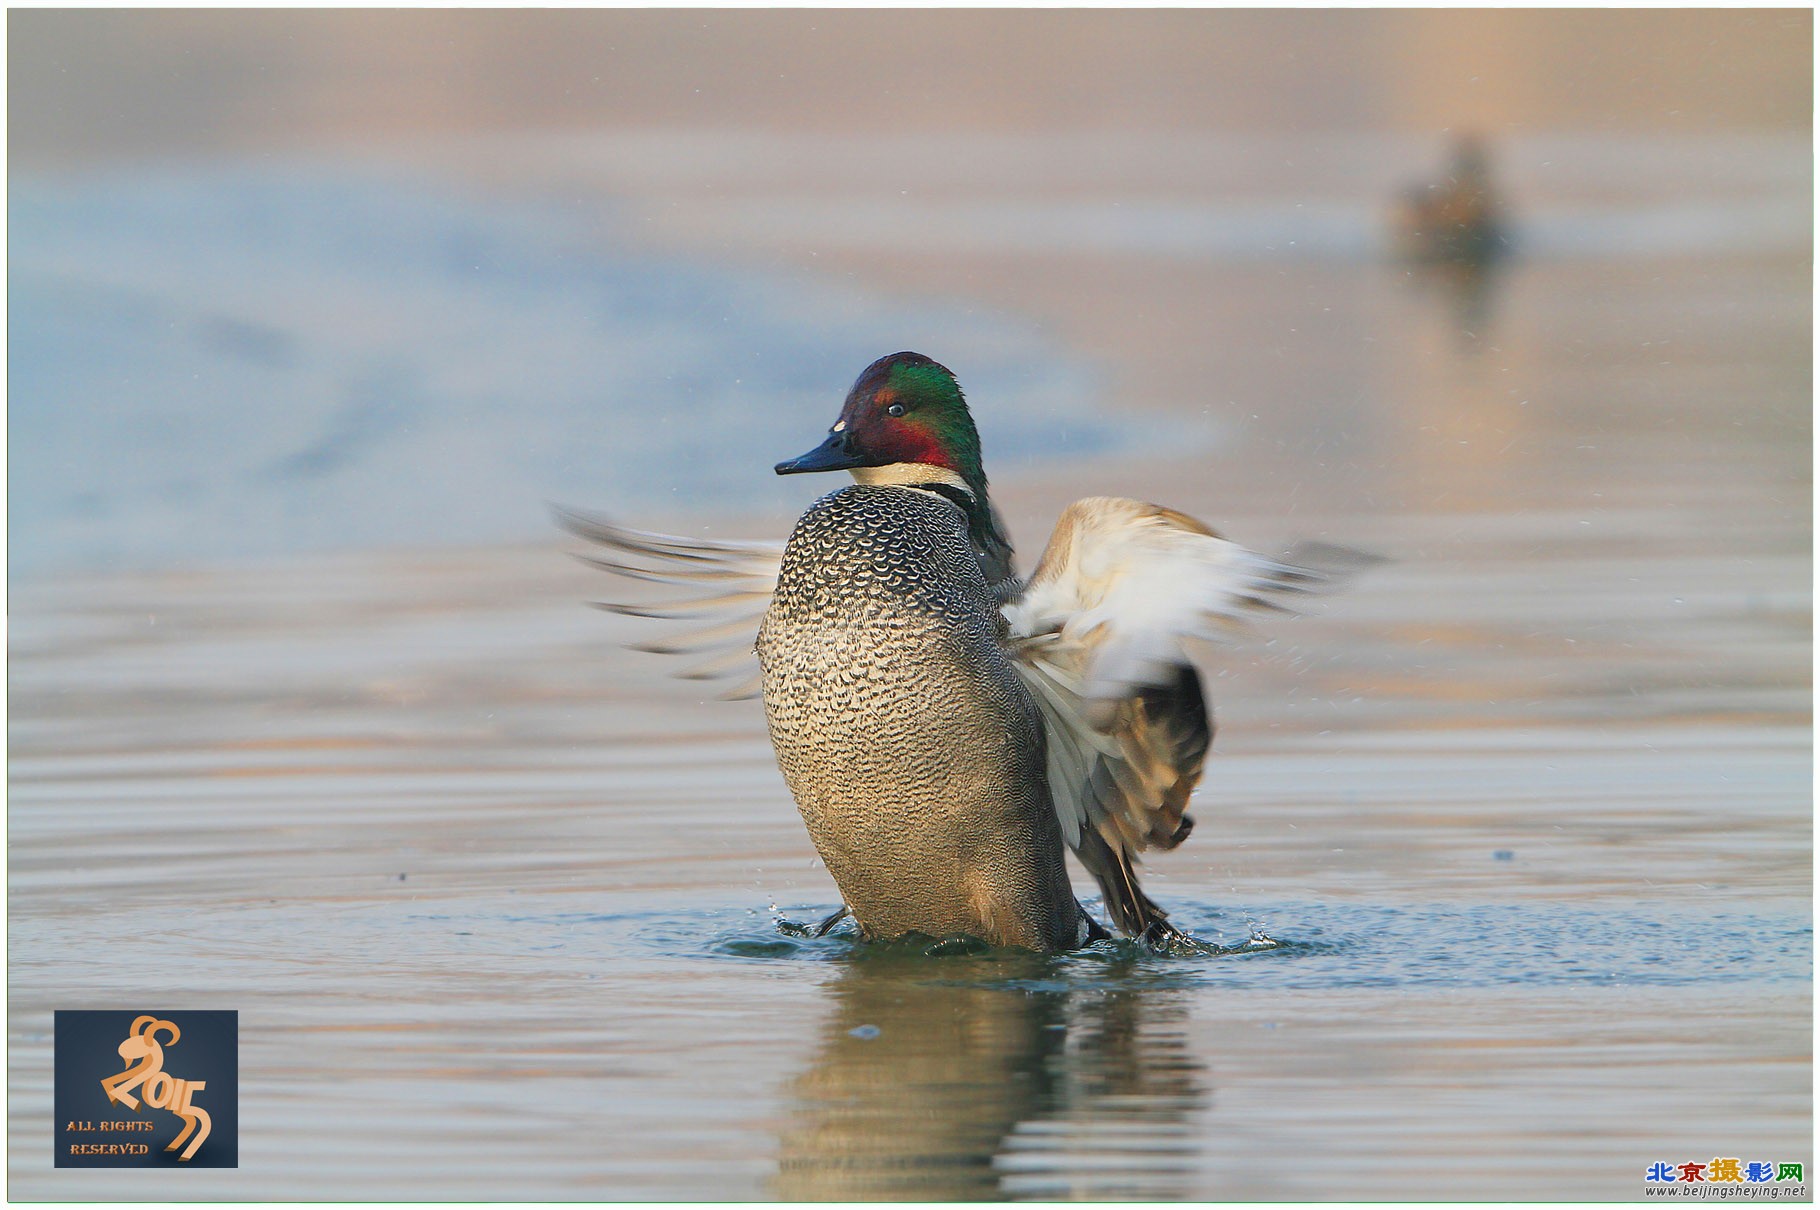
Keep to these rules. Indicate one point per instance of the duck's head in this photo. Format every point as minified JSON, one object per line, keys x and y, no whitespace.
{"x":905,"y":421}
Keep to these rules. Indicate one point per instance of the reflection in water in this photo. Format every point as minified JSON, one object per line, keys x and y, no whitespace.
{"x":1467,"y":290}
{"x":992,"y":1076}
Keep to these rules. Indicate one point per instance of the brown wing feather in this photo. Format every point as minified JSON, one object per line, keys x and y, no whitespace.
{"x":1168,"y":728}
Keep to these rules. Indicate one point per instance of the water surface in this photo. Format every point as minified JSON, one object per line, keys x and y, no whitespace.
{"x":1526,"y":813}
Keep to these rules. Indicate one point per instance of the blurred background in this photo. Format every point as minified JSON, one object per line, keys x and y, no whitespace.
{"x":311,"y":312}
{"x":304,"y":279}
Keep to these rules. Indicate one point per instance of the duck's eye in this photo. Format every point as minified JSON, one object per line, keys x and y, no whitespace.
{"x":896,"y":409}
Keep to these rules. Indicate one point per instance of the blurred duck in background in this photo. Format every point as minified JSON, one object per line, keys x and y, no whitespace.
{"x":1456,"y":220}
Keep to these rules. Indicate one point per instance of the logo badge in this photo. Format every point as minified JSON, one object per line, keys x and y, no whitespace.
{"x":147,"y":1089}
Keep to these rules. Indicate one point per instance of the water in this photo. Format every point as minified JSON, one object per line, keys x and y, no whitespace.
{"x":221,"y":361}
{"x":1511,"y":843}
{"x":1177,"y":195}
{"x":487,"y":889}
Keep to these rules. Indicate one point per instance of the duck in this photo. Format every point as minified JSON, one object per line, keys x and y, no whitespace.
{"x":1457,"y":220}
{"x":948,"y":728}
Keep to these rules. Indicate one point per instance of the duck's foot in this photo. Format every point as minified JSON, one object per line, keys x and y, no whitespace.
{"x":822,"y":929}
{"x":1163,"y":937}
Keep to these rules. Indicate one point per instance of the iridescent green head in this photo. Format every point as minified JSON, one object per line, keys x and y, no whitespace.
{"x":905,"y":409}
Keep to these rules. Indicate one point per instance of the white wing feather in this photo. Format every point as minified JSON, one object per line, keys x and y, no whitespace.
{"x":1123,"y":583}
{"x":1099,"y":632}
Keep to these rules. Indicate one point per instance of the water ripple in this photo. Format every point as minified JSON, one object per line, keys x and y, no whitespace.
{"x":1307,"y":946}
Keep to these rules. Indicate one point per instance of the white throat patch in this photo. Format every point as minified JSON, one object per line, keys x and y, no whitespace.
{"x":908,"y":474}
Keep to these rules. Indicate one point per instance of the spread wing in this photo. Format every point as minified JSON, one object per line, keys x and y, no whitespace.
{"x":728,"y":586}
{"x":1099,"y":635}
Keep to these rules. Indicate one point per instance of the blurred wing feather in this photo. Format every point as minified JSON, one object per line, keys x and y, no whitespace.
{"x":729,"y":587}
